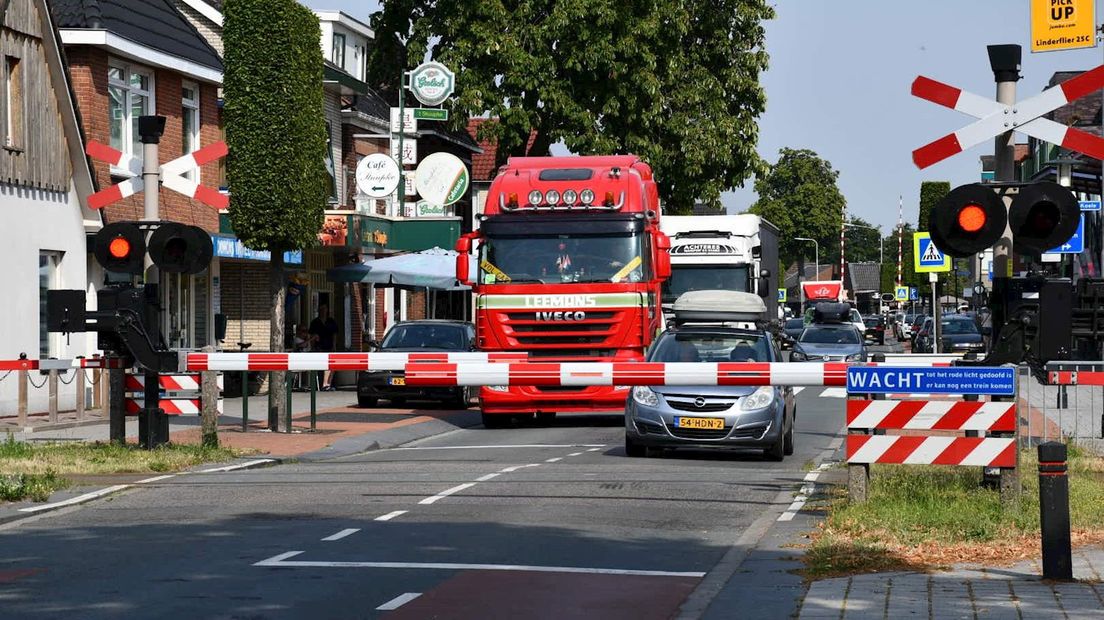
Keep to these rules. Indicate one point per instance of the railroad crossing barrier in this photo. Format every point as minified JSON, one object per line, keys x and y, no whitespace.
{"x":226,"y":362}
{"x":86,"y":373}
{"x":181,"y":394}
{"x":1070,"y":405}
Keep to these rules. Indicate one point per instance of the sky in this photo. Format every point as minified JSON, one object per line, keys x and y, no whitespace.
{"x":839,"y":79}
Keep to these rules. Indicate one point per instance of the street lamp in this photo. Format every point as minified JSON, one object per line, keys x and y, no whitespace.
{"x":816,"y":255}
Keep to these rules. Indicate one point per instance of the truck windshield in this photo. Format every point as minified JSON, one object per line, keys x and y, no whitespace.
{"x":686,"y":278}
{"x":555,"y":259}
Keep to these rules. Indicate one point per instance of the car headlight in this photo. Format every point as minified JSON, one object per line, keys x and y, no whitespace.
{"x":758,"y":399}
{"x":498,"y":388}
{"x":798,"y":356}
{"x":645,"y":396}
{"x":856,"y":357}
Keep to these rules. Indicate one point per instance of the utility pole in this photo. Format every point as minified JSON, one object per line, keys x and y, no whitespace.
{"x":153,"y":424}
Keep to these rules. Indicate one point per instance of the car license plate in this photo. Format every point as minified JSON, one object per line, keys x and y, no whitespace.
{"x":706,"y":423}
{"x":397,"y":381}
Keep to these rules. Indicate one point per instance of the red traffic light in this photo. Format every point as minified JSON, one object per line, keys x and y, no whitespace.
{"x":967,"y":220}
{"x":120,"y":247}
{"x":1043,"y":215}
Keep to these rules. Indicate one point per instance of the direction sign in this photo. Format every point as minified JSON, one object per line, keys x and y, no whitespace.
{"x":430,"y":114}
{"x":441,"y":178}
{"x":926,"y":258}
{"x":914,"y":295}
{"x":432,"y":83}
{"x":1089,"y":205}
{"x":1076,"y":243}
{"x":996,"y":381}
{"x":901,"y":294}
{"x":997,"y":118}
{"x":1062,"y":25}
{"x":781,"y":295}
{"x":377,"y":175}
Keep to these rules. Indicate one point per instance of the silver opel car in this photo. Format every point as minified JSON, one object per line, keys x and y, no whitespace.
{"x":711,"y":417}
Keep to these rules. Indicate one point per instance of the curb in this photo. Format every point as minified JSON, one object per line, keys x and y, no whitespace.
{"x":20,"y":511}
{"x":392,"y":437}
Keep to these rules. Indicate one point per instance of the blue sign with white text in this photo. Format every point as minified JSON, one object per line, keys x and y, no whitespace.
{"x":1089,"y":205}
{"x":914,"y":295}
{"x":924,"y":380}
{"x":1076,"y":243}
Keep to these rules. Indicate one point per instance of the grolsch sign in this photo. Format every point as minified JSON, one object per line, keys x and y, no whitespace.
{"x":432,"y":83}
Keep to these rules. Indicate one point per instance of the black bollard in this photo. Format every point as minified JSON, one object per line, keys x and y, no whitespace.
{"x":1054,"y":515}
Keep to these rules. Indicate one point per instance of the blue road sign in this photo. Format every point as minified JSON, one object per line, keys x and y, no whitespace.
{"x":929,"y":255}
{"x":1076,"y":243}
{"x":914,"y":295}
{"x":996,"y":381}
{"x":1089,"y":205}
{"x":990,"y":272}
{"x":901,"y":293}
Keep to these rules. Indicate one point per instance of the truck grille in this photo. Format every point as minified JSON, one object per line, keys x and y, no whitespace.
{"x":575,"y":354}
{"x":598,"y":327}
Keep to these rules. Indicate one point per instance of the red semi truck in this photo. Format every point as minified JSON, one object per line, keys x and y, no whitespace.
{"x":569,"y":265}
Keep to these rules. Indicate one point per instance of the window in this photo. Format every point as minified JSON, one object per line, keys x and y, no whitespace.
{"x":13,"y":103}
{"x":338,"y":55}
{"x":130,"y":95}
{"x":189,"y":123}
{"x":48,"y":268}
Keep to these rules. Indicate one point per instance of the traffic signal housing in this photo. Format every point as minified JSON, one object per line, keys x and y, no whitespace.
{"x":1043,"y":216}
{"x":178,"y":248}
{"x":968,"y":220}
{"x":120,"y":247}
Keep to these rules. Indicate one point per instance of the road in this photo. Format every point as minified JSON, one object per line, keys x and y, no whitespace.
{"x":535,"y":522}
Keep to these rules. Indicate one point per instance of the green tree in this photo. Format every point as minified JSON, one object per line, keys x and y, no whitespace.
{"x":276,"y":133}
{"x":862,"y":239}
{"x":799,"y":195}
{"x":676,"y":82}
{"x":931,"y":192}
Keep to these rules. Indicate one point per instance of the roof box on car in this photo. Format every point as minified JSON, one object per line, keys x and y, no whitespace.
{"x":719,"y":307}
{"x":832,"y":313}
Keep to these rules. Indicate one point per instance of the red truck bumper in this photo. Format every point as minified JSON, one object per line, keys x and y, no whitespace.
{"x":530,"y":399}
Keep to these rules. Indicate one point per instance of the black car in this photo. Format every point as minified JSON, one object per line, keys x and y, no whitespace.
{"x":875,"y":328}
{"x":793,"y":329}
{"x":425,"y":336}
{"x":959,"y":334}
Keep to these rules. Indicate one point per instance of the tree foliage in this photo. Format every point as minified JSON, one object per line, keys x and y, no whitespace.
{"x":799,"y":195}
{"x":863,"y":240}
{"x":931,"y":192}
{"x":676,"y":82}
{"x":275,"y":124}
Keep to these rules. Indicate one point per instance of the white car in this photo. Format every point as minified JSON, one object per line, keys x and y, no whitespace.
{"x":857,"y":321}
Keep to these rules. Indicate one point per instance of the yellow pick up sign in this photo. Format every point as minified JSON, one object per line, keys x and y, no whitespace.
{"x":1062,"y":24}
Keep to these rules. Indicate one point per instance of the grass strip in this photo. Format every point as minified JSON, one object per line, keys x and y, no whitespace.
{"x":70,"y":458}
{"x":37,"y":487}
{"x":921,"y":517}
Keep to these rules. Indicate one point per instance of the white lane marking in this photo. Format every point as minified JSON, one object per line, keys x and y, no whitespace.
{"x":277,"y":559}
{"x":238,"y":466}
{"x":391,"y":515}
{"x":487,"y":477}
{"x":80,"y":499}
{"x":446,"y":493}
{"x":798,"y":390}
{"x":834,"y":392}
{"x":803,"y":495}
{"x":155,"y":479}
{"x":281,"y":561}
{"x":595,"y":449}
{"x":575,"y":454}
{"x":398,"y":601}
{"x":510,"y":470}
{"x":553,"y":460}
{"x":342,"y":534}
{"x":519,"y":445}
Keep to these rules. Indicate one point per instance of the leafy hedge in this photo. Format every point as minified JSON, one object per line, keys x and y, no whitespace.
{"x":275,"y":124}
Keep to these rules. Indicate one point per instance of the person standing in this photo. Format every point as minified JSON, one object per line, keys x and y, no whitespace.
{"x":323,"y":332}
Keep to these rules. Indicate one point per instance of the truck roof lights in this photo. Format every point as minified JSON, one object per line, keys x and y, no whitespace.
{"x":570,"y":196}
{"x":609,"y":199}
{"x":587,"y":196}
{"x":552,"y":197}
{"x":535,"y":197}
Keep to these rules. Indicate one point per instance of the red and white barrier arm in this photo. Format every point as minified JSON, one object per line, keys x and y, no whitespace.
{"x":170,"y":383}
{"x":171,"y":406}
{"x":229,"y":362}
{"x":1075,"y":377}
{"x":627,"y":373}
{"x":931,"y":415}
{"x":983,"y":452}
{"x":67,"y":364}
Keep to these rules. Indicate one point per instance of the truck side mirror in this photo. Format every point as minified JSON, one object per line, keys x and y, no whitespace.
{"x":764,"y":283}
{"x":663,"y":256}
{"x":463,"y":249}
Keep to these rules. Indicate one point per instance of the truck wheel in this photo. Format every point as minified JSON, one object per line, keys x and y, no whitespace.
{"x":495,"y":421}
{"x":634,"y":449}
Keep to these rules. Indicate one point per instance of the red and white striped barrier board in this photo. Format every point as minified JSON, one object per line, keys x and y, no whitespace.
{"x":171,"y":406}
{"x":333,"y":361}
{"x":627,"y":373}
{"x":1075,"y":377}
{"x":996,"y":118}
{"x":983,"y":452}
{"x":169,"y":383}
{"x":52,"y":364}
{"x":932,"y":415}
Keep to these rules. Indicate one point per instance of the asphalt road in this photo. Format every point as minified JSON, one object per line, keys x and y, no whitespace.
{"x":534,"y":522}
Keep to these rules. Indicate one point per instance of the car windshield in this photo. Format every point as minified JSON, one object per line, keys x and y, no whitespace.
{"x":826,"y":335}
{"x":710,"y":347}
{"x":562,"y":259}
{"x":855,"y":316}
{"x":795,"y":323}
{"x":959,"y":327}
{"x":443,"y":337}
{"x":685,"y":278}
{"x":872,"y":321}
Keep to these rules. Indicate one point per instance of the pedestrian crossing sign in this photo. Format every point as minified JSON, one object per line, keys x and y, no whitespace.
{"x":901,"y":293}
{"x":926,"y":258}
{"x":781,"y":295}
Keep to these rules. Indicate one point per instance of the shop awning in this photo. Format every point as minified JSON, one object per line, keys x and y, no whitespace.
{"x":434,"y":268}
